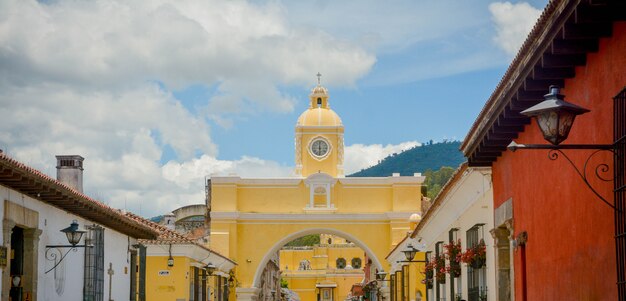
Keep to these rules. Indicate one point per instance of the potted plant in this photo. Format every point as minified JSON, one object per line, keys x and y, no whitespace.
{"x":440,"y":268}
{"x":452,"y":251}
{"x":475,"y":256}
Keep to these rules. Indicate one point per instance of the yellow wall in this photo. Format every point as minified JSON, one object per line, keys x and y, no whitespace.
{"x":248,"y":241}
{"x":311,"y":165}
{"x":416,"y":276}
{"x":171,"y":287}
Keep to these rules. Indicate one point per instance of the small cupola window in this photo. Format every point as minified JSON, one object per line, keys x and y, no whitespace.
{"x":319,"y":102}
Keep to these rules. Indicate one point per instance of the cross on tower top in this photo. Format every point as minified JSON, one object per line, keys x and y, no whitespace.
{"x":319,"y":78}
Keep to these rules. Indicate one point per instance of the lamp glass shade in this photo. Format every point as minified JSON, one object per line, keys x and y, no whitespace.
{"x":16,"y":281}
{"x":73,"y":234}
{"x":555,"y":125}
{"x":555,"y":116}
{"x":210,"y":268}
{"x":170,"y":262}
{"x":380,"y":276}
{"x":410,"y":252}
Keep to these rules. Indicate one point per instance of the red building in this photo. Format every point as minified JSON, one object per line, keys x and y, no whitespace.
{"x":555,"y":239}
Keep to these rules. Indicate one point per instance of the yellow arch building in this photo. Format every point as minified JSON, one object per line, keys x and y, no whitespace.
{"x":251,"y":219}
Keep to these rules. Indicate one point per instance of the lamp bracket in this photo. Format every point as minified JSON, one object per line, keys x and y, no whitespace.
{"x":52,"y":256}
{"x":556,"y":151}
{"x":422,"y":261}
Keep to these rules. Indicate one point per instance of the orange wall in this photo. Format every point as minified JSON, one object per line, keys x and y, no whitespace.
{"x":570,"y":254}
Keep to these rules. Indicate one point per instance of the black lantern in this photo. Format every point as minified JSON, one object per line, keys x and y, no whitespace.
{"x":555,"y":116}
{"x":73,"y":234}
{"x":410,"y":252}
{"x":53,"y":252}
{"x":380,"y":276}
{"x":210,"y":268}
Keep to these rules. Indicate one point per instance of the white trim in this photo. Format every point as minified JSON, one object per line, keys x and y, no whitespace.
{"x":326,"y":285}
{"x":318,"y":127}
{"x":315,"y":223}
{"x":325,"y":155}
{"x":388,"y":216}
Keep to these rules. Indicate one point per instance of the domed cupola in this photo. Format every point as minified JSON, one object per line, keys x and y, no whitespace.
{"x":319,"y":112}
{"x":319,"y":137}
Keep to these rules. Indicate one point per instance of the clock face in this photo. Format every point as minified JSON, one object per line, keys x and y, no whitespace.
{"x":319,"y":148}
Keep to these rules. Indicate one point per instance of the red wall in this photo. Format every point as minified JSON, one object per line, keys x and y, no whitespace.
{"x":570,"y":254}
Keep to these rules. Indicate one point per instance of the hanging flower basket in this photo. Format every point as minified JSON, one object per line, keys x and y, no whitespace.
{"x":478,"y":263}
{"x":451,"y":252}
{"x":475,"y":256}
{"x":440,"y":269}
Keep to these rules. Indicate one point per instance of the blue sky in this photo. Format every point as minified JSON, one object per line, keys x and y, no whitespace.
{"x":158,"y":95}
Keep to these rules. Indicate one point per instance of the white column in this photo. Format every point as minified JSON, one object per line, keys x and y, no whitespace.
{"x":327,"y":195}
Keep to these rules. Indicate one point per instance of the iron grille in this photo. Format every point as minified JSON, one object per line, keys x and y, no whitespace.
{"x":93,"y":288}
{"x":619,"y":135}
{"x":475,"y":279}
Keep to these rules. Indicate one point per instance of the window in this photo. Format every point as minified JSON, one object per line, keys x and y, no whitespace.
{"x":93,"y":287}
{"x":356,"y":263}
{"x":392,"y":284}
{"x":476,"y":274}
{"x":398,"y":287}
{"x":341,"y":263}
{"x":405,"y":282}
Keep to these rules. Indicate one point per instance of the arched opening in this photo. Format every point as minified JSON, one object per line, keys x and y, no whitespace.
{"x":324,"y":271}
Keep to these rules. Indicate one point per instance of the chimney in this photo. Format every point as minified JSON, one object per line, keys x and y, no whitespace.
{"x":70,"y":171}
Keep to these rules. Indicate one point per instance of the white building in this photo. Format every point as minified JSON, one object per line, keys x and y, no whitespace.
{"x":463,"y":212}
{"x":35,"y":260}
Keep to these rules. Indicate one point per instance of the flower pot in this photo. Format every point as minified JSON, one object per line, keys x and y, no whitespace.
{"x":478,"y":263}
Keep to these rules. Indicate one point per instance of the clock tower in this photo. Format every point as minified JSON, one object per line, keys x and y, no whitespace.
{"x":319,"y":137}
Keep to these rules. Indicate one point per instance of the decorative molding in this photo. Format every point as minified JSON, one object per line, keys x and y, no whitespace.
{"x":503,"y":213}
{"x":325,"y":140}
{"x":278,"y":217}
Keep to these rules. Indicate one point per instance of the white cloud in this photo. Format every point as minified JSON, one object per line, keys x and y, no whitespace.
{"x":248,"y":50}
{"x":360,"y":156}
{"x":513,"y":23}
{"x":95,"y":78}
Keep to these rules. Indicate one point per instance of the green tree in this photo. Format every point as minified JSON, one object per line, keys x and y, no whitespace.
{"x":284,"y":283}
{"x":436,"y":179}
{"x":308,"y":240}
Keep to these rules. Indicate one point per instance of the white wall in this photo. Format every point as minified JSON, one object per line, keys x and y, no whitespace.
{"x":67,"y":284}
{"x":469,"y":202}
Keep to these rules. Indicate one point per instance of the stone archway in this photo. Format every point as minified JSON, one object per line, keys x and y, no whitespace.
{"x":277,"y":246}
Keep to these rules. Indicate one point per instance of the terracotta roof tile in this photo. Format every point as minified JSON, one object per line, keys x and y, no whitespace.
{"x":168,"y":236}
{"x":88,"y":207}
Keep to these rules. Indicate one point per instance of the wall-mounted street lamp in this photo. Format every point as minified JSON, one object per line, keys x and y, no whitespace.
{"x":210,"y":268}
{"x":381,"y":275}
{"x":555,"y":118}
{"x":73,"y":237}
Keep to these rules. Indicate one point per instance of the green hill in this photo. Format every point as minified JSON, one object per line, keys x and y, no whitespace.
{"x":429,"y":156}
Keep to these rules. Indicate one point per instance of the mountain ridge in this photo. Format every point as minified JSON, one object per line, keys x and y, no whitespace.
{"x":419,"y":159}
